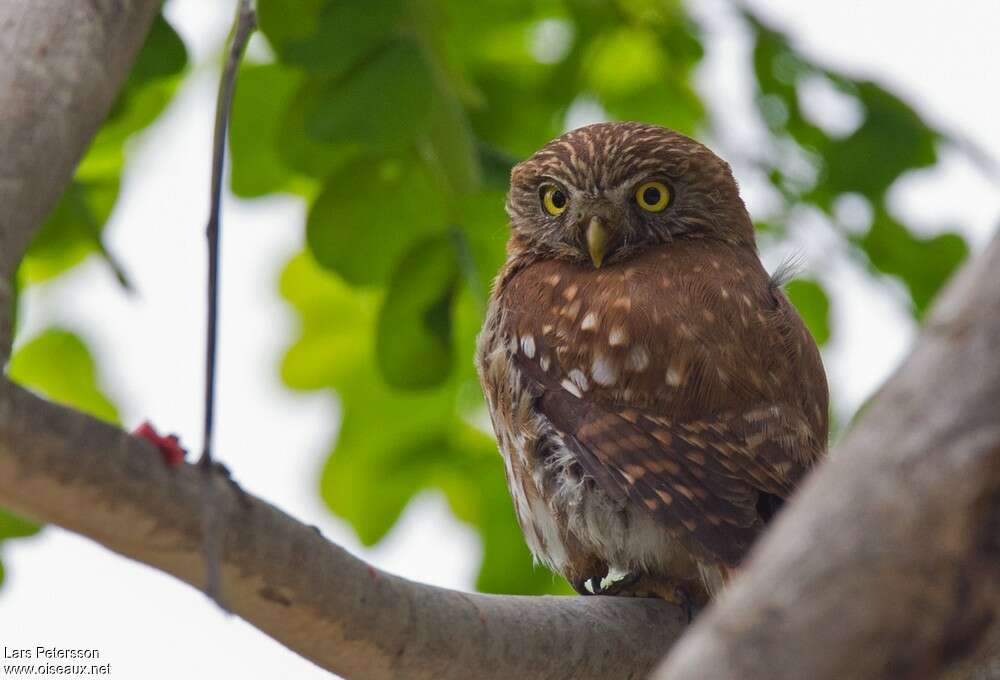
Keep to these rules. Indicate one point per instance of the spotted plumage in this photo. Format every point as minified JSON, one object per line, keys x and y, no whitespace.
{"x":654,"y":395}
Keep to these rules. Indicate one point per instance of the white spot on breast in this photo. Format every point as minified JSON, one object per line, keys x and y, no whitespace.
{"x":553,"y":280}
{"x":673,"y":377}
{"x":604,"y":371}
{"x":570,"y":292}
{"x":589,"y":322}
{"x":579,"y":379}
{"x":572,"y":310}
{"x":638,"y":359}
{"x":528,"y":346}
{"x":544,"y":362}
{"x":623,"y":303}
{"x":570,"y":387}
{"x":618,"y":336}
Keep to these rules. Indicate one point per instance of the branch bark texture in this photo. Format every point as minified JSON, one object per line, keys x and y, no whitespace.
{"x":887,"y":563}
{"x":62,"y":62}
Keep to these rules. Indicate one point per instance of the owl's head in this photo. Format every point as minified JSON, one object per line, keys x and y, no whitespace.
{"x":604,"y":192}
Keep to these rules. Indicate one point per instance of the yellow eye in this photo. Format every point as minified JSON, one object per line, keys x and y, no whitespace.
{"x":652,"y":196}
{"x":554,"y":199}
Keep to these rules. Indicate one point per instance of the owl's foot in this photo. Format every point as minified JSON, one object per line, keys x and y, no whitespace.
{"x":588,"y":586}
{"x":637,"y":584}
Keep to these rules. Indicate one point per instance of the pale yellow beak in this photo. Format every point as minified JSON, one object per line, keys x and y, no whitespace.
{"x":597,"y":241}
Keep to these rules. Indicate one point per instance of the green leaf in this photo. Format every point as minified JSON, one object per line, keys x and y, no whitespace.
{"x":12,"y":526}
{"x":413,"y":342}
{"x":58,"y":364}
{"x":71,"y":232}
{"x":162,"y":55}
{"x":923,"y":264}
{"x":624,"y":60}
{"x":335,"y":339}
{"x":328,"y":36}
{"x":450,"y":148}
{"x":383,"y":105}
{"x":370,"y":213}
{"x":483,"y":224}
{"x":387,"y":438}
{"x":263,"y":96}
{"x":813,"y":305}
{"x":892,"y":140}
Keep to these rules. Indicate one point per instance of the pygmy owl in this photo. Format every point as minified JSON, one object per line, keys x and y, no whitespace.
{"x":654,"y":395}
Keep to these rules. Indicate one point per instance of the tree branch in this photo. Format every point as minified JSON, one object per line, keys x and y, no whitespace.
{"x":887,"y":563}
{"x":60,"y":466}
{"x":61,"y":66}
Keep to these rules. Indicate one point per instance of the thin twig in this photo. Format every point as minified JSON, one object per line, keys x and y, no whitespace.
{"x":245,"y":23}
{"x":212,"y":530}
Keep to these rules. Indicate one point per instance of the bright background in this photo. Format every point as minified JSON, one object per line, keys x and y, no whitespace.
{"x":62,"y":590}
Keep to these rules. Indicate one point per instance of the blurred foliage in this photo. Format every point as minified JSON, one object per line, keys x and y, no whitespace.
{"x":889,"y":140}
{"x":12,"y":526}
{"x":810,"y":299}
{"x":398,"y":121}
{"x":57,"y":364}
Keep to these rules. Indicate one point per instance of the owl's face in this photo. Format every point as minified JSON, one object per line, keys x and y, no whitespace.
{"x":604,"y":192}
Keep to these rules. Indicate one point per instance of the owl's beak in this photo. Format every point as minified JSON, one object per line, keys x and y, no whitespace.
{"x":597,"y":241}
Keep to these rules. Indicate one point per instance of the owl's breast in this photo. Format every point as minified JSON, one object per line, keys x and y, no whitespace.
{"x":675,"y":329}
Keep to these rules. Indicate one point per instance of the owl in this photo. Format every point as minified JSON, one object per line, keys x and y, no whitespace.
{"x":654,"y":395}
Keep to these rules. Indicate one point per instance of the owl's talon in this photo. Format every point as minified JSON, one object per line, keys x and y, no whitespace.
{"x":618,"y":586}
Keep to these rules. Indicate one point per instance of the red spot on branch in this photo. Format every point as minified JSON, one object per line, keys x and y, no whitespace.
{"x":168,"y":446}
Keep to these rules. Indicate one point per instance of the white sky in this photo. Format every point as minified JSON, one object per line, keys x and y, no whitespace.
{"x":63,"y":590}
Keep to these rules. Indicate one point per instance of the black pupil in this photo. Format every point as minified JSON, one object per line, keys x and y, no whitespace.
{"x":558,"y":198}
{"x":651,"y":195}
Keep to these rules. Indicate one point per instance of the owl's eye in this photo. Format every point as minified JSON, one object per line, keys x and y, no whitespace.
{"x":554,"y":200}
{"x":652,"y":196}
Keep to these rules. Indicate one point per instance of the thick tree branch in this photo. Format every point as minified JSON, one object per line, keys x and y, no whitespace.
{"x":60,"y":466}
{"x":887,"y":564}
{"x":61,"y":66}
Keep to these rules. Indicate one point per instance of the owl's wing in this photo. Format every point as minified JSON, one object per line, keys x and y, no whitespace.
{"x":713,"y":479}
